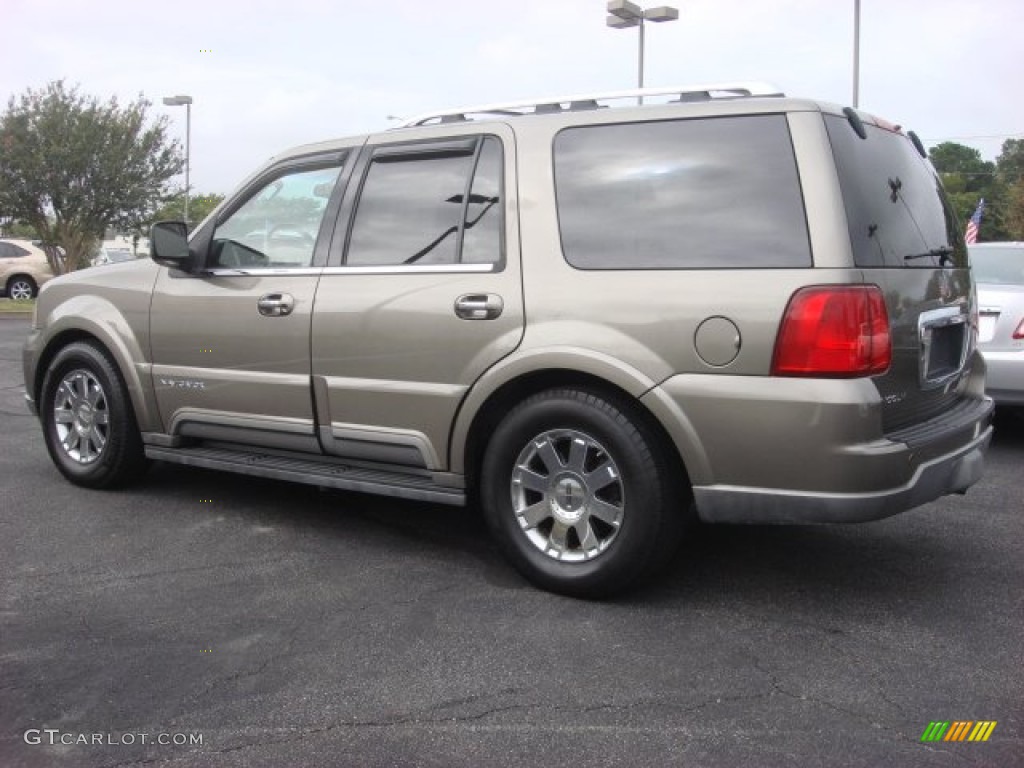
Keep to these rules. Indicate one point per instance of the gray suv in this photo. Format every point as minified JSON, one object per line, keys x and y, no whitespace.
{"x":596,"y":324}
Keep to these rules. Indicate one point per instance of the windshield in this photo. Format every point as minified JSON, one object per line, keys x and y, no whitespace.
{"x":897,"y":211}
{"x":998,"y":265}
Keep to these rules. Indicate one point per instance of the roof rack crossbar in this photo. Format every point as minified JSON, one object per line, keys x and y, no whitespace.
{"x":683,"y":93}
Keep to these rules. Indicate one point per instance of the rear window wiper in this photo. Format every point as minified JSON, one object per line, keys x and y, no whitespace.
{"x":942,"y":254}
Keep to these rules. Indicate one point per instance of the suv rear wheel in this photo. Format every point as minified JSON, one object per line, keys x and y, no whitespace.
{"x":578,"y":494}
{"x":88,"y":421}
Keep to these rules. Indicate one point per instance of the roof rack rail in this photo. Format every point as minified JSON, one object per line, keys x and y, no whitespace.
{"x":585,"y":101}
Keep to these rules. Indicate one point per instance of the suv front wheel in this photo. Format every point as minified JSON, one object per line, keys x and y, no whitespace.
{"x":88,"y":422}
{"x":578,"y":494}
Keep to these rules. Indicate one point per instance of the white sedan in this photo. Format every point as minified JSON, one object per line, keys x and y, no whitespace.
{"x":999,"y":275}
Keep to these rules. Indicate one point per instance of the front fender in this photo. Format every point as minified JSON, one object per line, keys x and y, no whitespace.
{"x":124,"y":337}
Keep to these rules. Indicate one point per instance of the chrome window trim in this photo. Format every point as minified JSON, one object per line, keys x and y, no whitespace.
{"x":263,"y":272}
{"x":399,"y":269}
{"x":390,"y":269}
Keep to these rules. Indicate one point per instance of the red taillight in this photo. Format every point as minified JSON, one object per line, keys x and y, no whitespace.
{"x":834,"y":330}
{"x":1019,"y":333}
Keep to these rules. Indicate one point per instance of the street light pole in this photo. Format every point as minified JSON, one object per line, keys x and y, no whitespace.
{"x":188,"y":154}
{"x":640,"y":57}
{"x":623,"y":14}
{"x":856,"y":53}
{"x":186,"y":101}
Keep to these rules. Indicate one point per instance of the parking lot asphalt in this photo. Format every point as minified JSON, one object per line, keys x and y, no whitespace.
{"x":283,"y":625}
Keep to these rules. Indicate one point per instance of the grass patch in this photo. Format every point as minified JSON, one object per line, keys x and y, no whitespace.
{"x":16,"y":306}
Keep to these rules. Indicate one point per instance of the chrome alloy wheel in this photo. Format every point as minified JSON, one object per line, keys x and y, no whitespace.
{"x":81,"y":417}
{"x":20,"y":289}
{"x":567,"y":495}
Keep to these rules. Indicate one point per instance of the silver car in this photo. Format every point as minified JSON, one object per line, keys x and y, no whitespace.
{"x":594,"y":322}
{"x":999,"y":274}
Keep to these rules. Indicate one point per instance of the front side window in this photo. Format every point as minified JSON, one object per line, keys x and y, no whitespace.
{"x":425,"y":205}
{"x":278,"y":225}
{"x":707,"y":193}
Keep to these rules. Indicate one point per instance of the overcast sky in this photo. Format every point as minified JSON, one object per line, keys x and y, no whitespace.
{"x":269,"y":74}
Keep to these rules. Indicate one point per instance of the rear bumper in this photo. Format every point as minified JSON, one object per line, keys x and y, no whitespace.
{"x":952,"y":473}
{"x":1004,"y":379}
{"x":779,"y":450}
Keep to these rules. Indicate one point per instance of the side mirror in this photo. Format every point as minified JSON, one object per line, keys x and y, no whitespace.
{"x":168,"y":243}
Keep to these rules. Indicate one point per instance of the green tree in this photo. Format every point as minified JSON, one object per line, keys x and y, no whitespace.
{"x":199,"y":207}
{"x":1015,"y":212}
{"x":1010,"y":163}
{"x":71,"y":165}
{"x":1010,"y":169}
{"x":168,"y":208}
{"x":965,"y":163}
{"x":968,"y":178}
{"x":17,"y":229}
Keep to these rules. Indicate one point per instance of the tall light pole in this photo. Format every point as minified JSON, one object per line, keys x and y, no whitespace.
{"x":856,"y":53}
{"x":177,"y":101}
{"x":623,"y":14}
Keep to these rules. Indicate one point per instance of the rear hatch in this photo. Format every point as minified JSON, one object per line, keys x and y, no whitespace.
{"x":906,"y":240}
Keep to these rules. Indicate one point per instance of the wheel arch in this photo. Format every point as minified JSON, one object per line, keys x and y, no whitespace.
{"x":483,"y":409}
{"x":24,"y":276}
{"x":120,"y":353}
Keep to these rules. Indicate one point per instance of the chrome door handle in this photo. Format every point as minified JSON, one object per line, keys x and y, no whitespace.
{"x":275,"y":304}
{"x":478,"y":306}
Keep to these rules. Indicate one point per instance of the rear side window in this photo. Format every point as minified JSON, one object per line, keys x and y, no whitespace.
{"x":421,"y":205}
{"x":895,"y":205}
{"x":10,"y":251}
{"x":715,"y":193}
{"x":481,"y":241}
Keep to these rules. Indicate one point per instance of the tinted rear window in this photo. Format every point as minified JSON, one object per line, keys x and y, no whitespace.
{"x":895,"y":205}
{"x":702,"y":193}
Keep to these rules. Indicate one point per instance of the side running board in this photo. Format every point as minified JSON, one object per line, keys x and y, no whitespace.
{"x":419,"y":487}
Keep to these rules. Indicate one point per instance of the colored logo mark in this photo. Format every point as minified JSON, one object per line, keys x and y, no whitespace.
{"x":959,"y":730}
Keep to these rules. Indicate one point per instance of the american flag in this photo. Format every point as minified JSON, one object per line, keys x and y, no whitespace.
{"x":971,"y":235}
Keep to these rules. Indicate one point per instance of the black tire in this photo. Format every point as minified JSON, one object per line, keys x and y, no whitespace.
{"x":108,"y":447}
{"x":20,"y":284}
{"x":590,"y":435}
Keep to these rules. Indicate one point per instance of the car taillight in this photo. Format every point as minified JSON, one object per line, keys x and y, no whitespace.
{"x":1019,"y":333}
{"x":834,"y":331}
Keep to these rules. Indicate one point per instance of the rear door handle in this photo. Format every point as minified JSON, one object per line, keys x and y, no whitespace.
{"x":479,"y":306}
{"x":275,"y":304}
